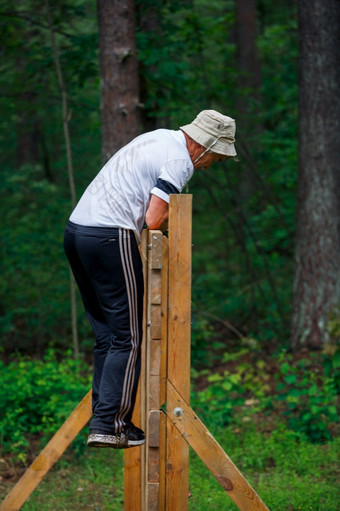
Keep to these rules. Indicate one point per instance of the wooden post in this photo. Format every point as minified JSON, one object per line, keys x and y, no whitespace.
{"x":179,"y":328}
{"x":153,"y":365}
{"x":167,"y":270}
{"x":145,"y":484}
{"x":134,"y":459}
{"x":163,"y":375}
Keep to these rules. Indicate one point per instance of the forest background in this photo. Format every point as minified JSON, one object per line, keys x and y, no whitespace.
{"x":255,"y":369}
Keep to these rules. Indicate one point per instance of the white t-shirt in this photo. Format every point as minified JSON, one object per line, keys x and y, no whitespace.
{"x":157,"y":162}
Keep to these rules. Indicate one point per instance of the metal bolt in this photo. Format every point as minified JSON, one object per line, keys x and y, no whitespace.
{"x":178,"y":411}
{"x":148,"y":323}
{"x":150,"y":246}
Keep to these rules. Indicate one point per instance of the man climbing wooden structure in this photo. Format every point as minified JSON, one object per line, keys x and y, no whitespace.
{"x":160,"y":482}
{"x":156,"y":475}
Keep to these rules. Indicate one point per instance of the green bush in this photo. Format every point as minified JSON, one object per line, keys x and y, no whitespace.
{"x":36,"y":396}
{"x":309,"y":397}
{"x":303,"y":392}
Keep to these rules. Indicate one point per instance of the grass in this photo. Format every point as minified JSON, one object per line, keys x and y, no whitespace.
{"x":276,"y":418}
{"x":91,"y":481}
{"x":287,"y":471}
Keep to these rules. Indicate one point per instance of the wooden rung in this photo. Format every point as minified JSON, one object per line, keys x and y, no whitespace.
{"x":155,"y":357}
{"x":154,"y":424}
{"x":152,"y":497}
{"x":155,"y":244}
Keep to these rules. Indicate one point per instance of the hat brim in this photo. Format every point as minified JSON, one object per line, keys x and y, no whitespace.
{"x":198,"y":135}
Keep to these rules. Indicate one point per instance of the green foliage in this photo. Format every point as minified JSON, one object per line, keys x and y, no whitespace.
{"x":35,"y":268}
{"x":243,"y":234}
{"x":36,"y":396}
{"x":35,"y":198}
{"x":305,"y":393}
{"x":243,"y":219}
{"x":310,"y":398}
{"x":202,"y":335}
{"x":239,"y":407}
{"x":289,"y":474}
{"x":331,"y":364}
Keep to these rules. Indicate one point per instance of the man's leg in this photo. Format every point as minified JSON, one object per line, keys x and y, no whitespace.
{"x":93,"y":311}
{"x":111,"y":260}
{"x":111,"y":276}
{"x":121,"y":299}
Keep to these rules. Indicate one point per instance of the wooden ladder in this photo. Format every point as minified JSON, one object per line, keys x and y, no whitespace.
{"x":156,"y":475}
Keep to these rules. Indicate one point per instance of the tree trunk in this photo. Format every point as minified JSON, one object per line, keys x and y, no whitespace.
{"x":149,"y":23}
{"x":249,"y":95}
{"x":317,"y":274}
{"x":66,"y":119}
{"x":247,"y":61}
{"x":118,"y":73}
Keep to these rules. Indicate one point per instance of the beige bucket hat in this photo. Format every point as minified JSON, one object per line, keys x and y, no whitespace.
{"x":213,"y":131}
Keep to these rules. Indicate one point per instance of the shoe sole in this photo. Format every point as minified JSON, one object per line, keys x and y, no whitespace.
{"x":133,"y":443}
{"x":98,"y":440}
{"x":112,"y":441}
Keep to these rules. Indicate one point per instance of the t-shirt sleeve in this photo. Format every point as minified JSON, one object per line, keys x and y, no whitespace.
{"x":173,"y":177}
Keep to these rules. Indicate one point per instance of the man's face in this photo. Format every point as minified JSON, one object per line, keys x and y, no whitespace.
{"x":208,"y":159}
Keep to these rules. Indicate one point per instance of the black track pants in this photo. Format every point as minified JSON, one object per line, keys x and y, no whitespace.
{"x":108,"y":270}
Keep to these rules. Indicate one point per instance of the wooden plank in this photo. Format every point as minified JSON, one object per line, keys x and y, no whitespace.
{"x":49,"y":455}
{"x":132,"y":466}
{"x":134,"y":459}
{"x":154,"y":423}
{"x":177,"y":470}
{"x":179,"y":331}
{"x":153,"y":468}
{"x":153,"y":497}
{"x":163,"y":376}
{"x":156,"y":321}
{"x":132,"y":479}
{"x":164,"y":321}
{"x":153,"y":356}
{"x":154,"y":394}
{"x":146,"y":374}
{"x":157,"y":287}
{"x":162,"y":461}
{"x":179,"y":304}
{"x":212,"y":454}
{"x":143,"y":379}
{"x":155,"y":243}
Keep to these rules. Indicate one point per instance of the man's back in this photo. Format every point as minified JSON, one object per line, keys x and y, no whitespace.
{"x":120,"y":193}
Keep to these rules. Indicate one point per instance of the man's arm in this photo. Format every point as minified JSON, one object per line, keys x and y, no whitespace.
{"x":157,"y":213}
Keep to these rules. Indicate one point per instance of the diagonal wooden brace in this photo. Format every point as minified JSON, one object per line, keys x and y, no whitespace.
{"x":211,"y":453}
{"x":49,"y":455}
